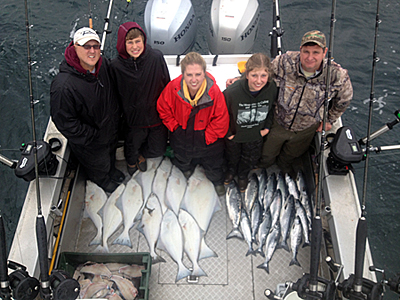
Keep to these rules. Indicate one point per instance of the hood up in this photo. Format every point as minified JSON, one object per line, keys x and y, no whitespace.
{"x":122,"y":31}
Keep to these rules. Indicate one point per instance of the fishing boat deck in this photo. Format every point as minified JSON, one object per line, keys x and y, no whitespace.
{"x":231,"y":275}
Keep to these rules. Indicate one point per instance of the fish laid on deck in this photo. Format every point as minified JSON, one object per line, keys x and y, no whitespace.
{"x":276,"y":211}
{"x":131,"y":202}
{"x":95,"y":198}
{"x":171,"y":241}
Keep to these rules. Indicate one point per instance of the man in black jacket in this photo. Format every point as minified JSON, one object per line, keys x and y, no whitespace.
{"x":85,"y":110}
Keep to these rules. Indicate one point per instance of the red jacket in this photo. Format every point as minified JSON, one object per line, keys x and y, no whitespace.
{"x":207,"y":121}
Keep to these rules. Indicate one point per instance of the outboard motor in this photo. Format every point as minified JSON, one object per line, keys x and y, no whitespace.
{"x":170,"y":25}
{"x":233,"y":26}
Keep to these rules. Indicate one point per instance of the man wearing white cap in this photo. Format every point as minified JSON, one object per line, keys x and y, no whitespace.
{"x":85,"y":110}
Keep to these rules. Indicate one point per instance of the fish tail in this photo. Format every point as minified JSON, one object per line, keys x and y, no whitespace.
{"x":264,"y":266}
{"x":123,"y":239}
{"x":283,"y":245}
{"x":101,"y":249}
{"x":157,"y":259}
{"x":97,"y":240}
{"x":182,"y":272}
{"x":235,"y":233}
{"x":251,"y":251}
{"x":198,"y":271}
{"x":205,"y":251}
{"x":260,"y":250}
{"x":306,"y":244}
{"x":294,"y":262}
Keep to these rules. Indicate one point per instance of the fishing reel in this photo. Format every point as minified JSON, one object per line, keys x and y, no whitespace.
{"x":302,"y":289}
{"x":22,"y":285}
{"x":369,"y":290}
{"x":63,"y":286}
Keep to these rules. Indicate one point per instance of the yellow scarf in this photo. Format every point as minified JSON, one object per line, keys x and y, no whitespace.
{"x":198,"y":95}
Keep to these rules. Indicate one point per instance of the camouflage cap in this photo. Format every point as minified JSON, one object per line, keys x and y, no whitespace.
{"x":314,"y":36}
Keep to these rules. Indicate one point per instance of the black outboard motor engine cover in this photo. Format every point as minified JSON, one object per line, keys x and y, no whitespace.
{"x":344,"y":151}
{"x":47,"y":161}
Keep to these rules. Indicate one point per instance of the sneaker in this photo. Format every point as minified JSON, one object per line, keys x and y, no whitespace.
{"x":117,"y":176}
{"x":110,"y":187}
{"x":132,"y":170}
{"x":141,"y":164}
{"x":242,"y":182}
{"x":220,"y":189}
{"x":228,"y":178}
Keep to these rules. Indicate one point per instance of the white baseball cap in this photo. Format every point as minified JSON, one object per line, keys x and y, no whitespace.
{"x":84,"y":35}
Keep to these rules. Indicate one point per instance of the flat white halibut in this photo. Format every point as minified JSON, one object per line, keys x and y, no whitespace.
{"x":160,"y":181}
{"x":112,"y":216}
{"x":171,"y":241}
{"x":201,"y":199}
{"x":131,"y":201}
{"x":192,"y":236}
{"x":150,"y":225}
{"x":175,"y":189}
{"x":145,"y":179}
{"x":95,"y":197}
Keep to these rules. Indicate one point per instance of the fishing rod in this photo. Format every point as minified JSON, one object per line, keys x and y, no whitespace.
{"x":106,"y":30}
{"x":41,"y":234}
{"x":59,"y":285}
{"x":311,"y":286}
{"x":277,"y":31}
{"x":357,"y":287}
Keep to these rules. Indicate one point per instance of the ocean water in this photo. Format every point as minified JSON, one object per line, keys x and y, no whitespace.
{"x":53,"y":24}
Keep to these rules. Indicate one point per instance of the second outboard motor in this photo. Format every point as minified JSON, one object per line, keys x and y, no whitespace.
{"x":170,"y":25}
{"x":233,"y":26}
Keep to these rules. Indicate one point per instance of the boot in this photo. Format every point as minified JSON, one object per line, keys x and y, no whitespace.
{"x":228,"y":177}
{"x":117,"y":176}
{"x":242,"y":182}
{"x":220,"y":189}
{"x":141,"y":164}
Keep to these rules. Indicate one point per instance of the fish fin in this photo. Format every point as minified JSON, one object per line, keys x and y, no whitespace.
{"x":97,"y":239}
{"x":260,"y":250}
{"x":198,"y":271}
{"x":294,"y":262}
{"x":283,"y":245}
{"x":123,"y":239}
{"x":205,"y":251}
{"x":182,"y":272}
{"x":157,"y":259}
{"x":250,"y":251}
{"x":101,"y":249}
{"x":235,"y":233}
{"x":264,"y":266}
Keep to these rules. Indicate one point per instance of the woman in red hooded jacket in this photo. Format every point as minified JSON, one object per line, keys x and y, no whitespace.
{"x":193,"y":108}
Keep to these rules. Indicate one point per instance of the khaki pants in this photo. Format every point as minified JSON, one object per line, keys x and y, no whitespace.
{"x":284,"y":146}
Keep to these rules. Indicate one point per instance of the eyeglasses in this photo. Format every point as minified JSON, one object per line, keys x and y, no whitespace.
{"x":88,"y":47}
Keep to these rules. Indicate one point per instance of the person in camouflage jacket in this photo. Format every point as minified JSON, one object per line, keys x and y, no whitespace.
{"x":298,"y":112}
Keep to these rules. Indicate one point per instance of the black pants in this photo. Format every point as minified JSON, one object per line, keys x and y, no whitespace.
{"x":98,"y":161}
{"x":149,"y":142}
{"x":242,"y":157}
{"x":211,"y":163}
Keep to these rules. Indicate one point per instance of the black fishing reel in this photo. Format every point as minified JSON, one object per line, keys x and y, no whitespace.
{"x":63,"y":286}
{"x":23,"y":286}
{"x":369,"y":290}
{"x":325,"y":289}
{"x":392,"y":283}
